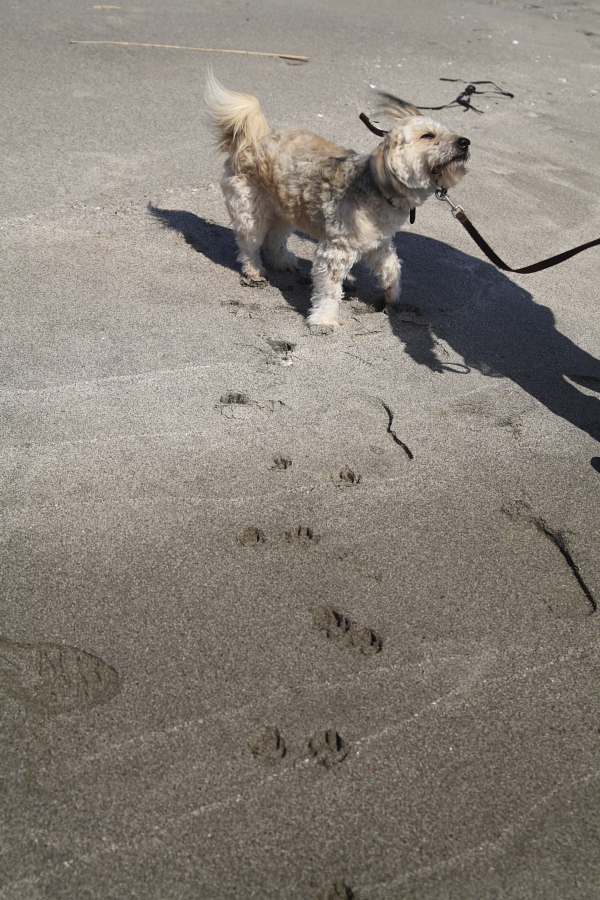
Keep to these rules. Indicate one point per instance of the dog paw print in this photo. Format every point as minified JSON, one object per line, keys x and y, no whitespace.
{"x":235,"y":405}
{"x":246,"y":281}
{"x":267,"y":746}
{"x":346,"y":476}
{"x":50,"y":678}
{"x":281,"y":463}
{"x":341,"y":630}
{"x":303,"y":536}
{"x":281,"y":346}
{"x":250,"y":537}
{"x":234,"y":398}
{"x":326,"y":749}
{"x":282,"y":353}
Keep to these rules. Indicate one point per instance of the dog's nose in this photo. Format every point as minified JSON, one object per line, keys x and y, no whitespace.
{"x":463,"y":143}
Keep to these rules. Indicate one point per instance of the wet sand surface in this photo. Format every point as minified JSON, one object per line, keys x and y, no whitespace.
{"x":288,"y":614}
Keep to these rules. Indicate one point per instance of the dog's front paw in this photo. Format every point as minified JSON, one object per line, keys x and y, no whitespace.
{"x":321,"y":318}
{"x":252,"y":272}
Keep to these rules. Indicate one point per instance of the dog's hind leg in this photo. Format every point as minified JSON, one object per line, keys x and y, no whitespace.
{"x":250,"y":217}
{"x":331,"y":265}
{"x":387,"y":267}
{"x":275,"y":245}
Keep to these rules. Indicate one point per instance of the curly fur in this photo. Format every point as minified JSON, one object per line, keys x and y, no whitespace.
{"x":351,"y":203}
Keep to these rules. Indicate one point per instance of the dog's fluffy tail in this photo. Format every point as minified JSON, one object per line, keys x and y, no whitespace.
{"x":235,"y":119}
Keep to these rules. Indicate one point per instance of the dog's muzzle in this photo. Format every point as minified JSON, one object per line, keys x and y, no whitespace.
{"x":462,"y":144}
{"x":462,"y":151}
{"x":461,"y":155}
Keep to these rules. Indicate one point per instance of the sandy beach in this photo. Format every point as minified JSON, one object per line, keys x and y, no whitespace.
{"x":294,"y":613}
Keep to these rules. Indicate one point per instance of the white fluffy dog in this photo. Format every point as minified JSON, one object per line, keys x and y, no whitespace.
{"x":351,"y":203}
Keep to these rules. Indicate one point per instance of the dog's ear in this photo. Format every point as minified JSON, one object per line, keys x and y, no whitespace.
{"x":382,"y":166}
{"x":396,"y":107}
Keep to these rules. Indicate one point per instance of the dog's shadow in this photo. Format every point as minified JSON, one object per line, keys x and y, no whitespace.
{"x":218,"y":244}
{"x":212,"y":240}
{"x":448,"y":298}
{"x":495,"y":326}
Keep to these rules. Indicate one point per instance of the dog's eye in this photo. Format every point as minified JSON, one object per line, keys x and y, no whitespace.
{"x":427,"y":137}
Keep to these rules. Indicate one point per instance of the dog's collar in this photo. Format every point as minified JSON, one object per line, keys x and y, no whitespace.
{"x":390,"y":200}
{"x":395,"y":205}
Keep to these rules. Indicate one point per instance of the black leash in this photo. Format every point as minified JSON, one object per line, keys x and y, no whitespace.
{"x":463,"y":99}
{"x":459,"y":213}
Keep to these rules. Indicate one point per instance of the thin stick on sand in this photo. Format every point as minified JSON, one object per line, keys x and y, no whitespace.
{"x":200,"y":49}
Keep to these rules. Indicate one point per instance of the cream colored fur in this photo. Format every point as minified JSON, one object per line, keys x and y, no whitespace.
{"x":352,"y":203}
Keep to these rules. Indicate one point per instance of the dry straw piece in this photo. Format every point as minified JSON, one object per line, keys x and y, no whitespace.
{"x":200,"y":49}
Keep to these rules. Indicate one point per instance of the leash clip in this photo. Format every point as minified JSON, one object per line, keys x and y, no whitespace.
{"x":442,"y":194}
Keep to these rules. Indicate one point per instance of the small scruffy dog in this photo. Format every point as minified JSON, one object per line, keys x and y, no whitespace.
{"x":352,"y":203}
